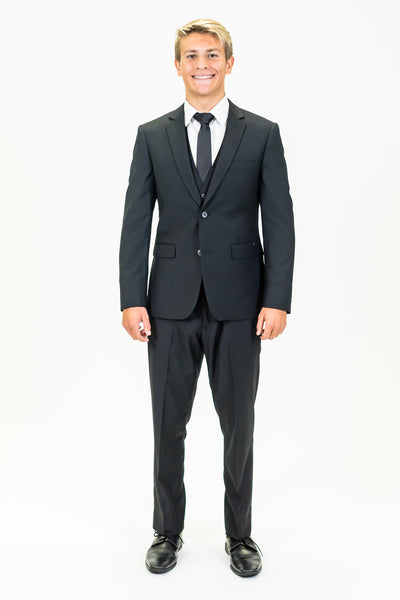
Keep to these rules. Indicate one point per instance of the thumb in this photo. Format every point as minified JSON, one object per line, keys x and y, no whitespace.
{"x":146,"y":323}
{"x":260,"y":322}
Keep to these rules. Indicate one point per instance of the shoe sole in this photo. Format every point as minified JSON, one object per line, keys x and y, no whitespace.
{"x":242,"y":573}
{"x":159,"y":570}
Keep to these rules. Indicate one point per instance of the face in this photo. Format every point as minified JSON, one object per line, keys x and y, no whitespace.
{"x":203,"y":66}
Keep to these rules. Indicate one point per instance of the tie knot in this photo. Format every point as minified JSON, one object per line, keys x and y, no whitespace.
{"x":204,"y":118}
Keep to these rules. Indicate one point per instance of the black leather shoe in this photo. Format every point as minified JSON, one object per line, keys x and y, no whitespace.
{"x":162,"y":555}
{"x":245,"y":556}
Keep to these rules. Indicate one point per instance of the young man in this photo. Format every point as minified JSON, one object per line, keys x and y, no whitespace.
{"x":214,"y":289}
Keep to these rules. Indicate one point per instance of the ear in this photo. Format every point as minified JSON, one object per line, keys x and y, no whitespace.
{"x":178,"y":67}
{"x":229,"y":65}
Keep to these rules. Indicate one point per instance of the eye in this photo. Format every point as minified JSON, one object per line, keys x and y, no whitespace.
{"x":213,"y":55}
{"x":190,"y":56}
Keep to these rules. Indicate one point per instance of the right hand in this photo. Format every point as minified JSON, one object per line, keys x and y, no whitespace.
{"x":131,"y":319}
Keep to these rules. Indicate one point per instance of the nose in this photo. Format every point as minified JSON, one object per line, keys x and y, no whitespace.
{"x":202,"y":62}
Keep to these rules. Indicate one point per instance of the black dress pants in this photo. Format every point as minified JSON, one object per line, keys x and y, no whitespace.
{"x":175,"y":352}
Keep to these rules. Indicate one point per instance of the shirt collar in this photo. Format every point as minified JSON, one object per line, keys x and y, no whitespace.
{"x":220,"y":111}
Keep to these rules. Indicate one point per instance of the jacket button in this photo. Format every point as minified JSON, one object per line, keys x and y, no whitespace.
{"x":199,"y":252}
{"x":203,"y":195}
{"x":204,"y":214}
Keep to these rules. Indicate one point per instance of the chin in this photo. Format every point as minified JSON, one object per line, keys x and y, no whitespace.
{"x":205,"y":89}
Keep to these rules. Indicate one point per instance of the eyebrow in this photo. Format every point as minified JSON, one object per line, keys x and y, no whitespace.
{"x":209,"y":50}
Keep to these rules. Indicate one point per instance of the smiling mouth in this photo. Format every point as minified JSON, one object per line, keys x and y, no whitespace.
{"x":202,"y":76}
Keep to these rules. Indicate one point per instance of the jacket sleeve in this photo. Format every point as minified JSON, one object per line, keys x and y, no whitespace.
{"x":136,"y":227}
{"x":277,"y":224}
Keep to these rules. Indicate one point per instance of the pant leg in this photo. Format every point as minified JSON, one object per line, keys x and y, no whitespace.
{"x":175,"y":356}
{"x":232,"y":351}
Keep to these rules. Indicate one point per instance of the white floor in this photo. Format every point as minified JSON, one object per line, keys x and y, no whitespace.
{"x":94,"y":550}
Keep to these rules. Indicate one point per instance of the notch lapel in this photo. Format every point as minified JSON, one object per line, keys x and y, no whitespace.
{"x":235,"y":128}
{"x":177,"y":141}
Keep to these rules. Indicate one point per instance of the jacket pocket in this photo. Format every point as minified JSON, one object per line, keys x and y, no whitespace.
{"x":164,"y":250}
{"x":247,"y":250}
{"x":242,"y":165}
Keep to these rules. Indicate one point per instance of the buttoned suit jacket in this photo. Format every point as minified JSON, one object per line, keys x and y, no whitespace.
{"x":215,"y":238}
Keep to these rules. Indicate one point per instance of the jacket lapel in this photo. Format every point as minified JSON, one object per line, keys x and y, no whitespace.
{"x":177,"y":141}
{"x":235,"y":127}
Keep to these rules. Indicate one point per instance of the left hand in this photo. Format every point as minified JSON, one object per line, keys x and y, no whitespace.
{"x":273,"y":321}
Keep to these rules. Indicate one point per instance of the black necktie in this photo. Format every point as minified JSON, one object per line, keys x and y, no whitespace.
{"x":204,"y":144}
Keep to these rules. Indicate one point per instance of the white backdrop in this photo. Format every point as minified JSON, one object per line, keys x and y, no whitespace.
{"x":76,"y":433}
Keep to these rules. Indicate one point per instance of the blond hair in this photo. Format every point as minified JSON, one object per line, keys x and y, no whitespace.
{"x":204,"y":26}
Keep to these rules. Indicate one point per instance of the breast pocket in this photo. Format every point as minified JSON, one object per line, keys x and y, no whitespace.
{"x":243,"y":165}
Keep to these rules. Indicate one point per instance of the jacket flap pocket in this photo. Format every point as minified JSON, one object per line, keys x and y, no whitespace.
{"x":164,"y":250}
{"x":247,"y":250}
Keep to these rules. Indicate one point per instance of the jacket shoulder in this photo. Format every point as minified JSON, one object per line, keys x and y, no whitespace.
{"x":252,"y":118}
{"x":160,"y":122}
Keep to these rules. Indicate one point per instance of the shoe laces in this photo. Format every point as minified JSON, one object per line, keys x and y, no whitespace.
{"x":246,"y":541}
{"x":168,"y":537}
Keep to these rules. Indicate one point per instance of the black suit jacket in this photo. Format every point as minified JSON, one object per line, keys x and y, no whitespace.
{"x":215,"y":238}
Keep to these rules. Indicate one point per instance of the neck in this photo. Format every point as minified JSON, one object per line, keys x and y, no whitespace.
{"x":204,"y":104}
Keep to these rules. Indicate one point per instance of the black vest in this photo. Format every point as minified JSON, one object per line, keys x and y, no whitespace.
{"x":202,"y":185}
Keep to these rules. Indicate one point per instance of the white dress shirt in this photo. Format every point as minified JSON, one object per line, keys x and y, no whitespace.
{"x":217,"y":127}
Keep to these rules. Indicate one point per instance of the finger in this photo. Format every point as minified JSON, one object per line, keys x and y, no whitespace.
{"x":259,"y":326}
{"x":142,"y":335}
{"x":136,"y":333}
{"x":275,"y":331}
{"x":267,"y":332}
{"x":146,"y":324}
